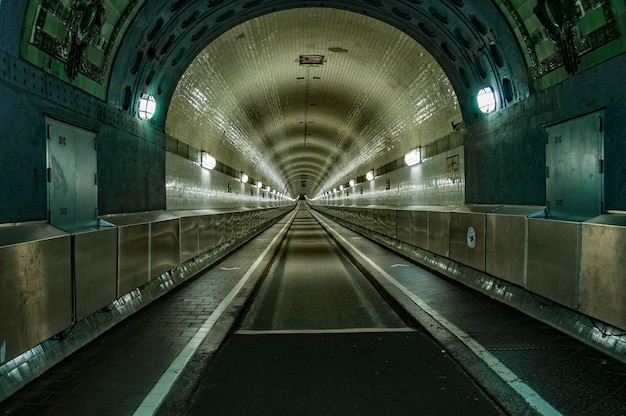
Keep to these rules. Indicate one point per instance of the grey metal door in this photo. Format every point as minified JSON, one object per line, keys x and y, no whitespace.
{"x":72,"y":176}
{"x":574,"y":172}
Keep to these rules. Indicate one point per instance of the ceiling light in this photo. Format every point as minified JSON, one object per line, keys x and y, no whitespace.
{"x":147,"y":107}
{"x":259,"y":184}
{"x":341,"y":187}
{"x":413,"y":157}
{"x":370,"y":175}
{"x":267,"y":188}
{"x":244,"y":178}
{"x":208,"y":161}
{"x":352,"y":182}
{"x":486,"y":100}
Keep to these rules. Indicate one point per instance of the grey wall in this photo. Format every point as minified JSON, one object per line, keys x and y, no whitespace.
{"x":131,"y":156}
{"x":131,"y":170}
{"x":505,"y":152}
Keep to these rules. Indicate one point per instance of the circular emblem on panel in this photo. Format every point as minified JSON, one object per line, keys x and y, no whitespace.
{"x":471,"y":237}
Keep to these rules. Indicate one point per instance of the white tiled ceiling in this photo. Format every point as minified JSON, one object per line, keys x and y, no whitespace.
{"x":247,"y":100}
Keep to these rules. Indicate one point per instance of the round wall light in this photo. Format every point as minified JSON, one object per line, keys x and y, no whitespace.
{"x":486,"y":99}
{"x":147,"y":107}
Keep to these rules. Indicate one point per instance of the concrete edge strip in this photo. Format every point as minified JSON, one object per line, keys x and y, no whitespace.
{"x":153,"y":400}
{"x":322,"y":331}
{"x":524,"y":390}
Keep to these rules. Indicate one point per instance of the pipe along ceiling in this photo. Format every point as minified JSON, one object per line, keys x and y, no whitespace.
{"x":306,"y":98}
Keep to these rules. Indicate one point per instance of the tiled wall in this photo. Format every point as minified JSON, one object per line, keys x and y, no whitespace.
{"x":189,"y":186}
{"x":438,"y":180}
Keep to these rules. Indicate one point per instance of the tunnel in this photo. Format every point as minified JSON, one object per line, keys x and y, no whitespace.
{"x":145,"y":143}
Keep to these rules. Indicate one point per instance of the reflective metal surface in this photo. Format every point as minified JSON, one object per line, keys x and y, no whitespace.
{"x":189,"y":238}
{"x":206,"y":233}
{"x":95,"y":269}
{"x":506,"y":247}
{"x":403,"y":226}
{"x":602,"y":268}
{"x":439,"y":232}
{"x":467,"y":239}
{"x":72,"y":186}
{"x":133,"y":257}
{"x":553,"y":254}
{"x":164,"y":246}
{"x":419,"y":229}
{"x":35,"y":286}
{"x":574,"y":153}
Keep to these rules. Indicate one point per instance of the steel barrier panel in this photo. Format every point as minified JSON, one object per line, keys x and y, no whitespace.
{"x":377,"y":220}
{"x":206,"y":233}
{"x":467,"y":239}
{"x":229,"y":231}
{"x":189,"y":238}
{"x":133,"y":258}
{"x":419,"y":229}
{"x":506,"y":247}
{"x":602,"y":270}
{"x":36,"y":295}
{"x":439,"y":232}
{"x":164,"y":246}
{"x":219,"y":223}
{"x":553,"y":259}
{"x":370,"y":220}
{"x":403,"y":224}
{"x":391,"y":223}
{"x":95,"y":269}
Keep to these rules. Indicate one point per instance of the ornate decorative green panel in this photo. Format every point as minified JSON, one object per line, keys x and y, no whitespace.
{"x":563,"y":37}
{"x":76,"y":40}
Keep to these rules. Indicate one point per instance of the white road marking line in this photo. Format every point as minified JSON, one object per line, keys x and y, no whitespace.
{"x":321,"y":331}
{"x":393,"y":266}
{"x":153,"y":400}
{"x":523,"y":389}
{"x":229,"y":268}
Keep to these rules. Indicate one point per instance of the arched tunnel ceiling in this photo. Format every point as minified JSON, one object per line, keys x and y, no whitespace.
{"x":248,"y":100}
{"x":131,"y":47}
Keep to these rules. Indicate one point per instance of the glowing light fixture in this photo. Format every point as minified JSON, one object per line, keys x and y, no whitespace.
{"x":370,"y":175}
{"x":352,"y":183}
{"x":413,"y":157}
{"x":334,"y":190}
{"x":147,"y":107}
{"x":208,"y":161}
{"x":259,"y":184}
{"x":267,"y":188}
{"x":341,"y":187}
{"x":486,"y":100}
{"x":244,"y":177}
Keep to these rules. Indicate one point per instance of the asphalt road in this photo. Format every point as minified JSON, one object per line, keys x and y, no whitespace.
{"x":319,"y":340}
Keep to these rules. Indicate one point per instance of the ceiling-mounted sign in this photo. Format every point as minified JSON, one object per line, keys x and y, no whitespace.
{"x":311,"y":59}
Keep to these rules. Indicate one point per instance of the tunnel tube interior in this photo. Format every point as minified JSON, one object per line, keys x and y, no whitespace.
{"x":256,"y":103}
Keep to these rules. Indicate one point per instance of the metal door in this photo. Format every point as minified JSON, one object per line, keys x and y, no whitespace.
{"x":72,"y":176}
{"x":574,"y":168}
